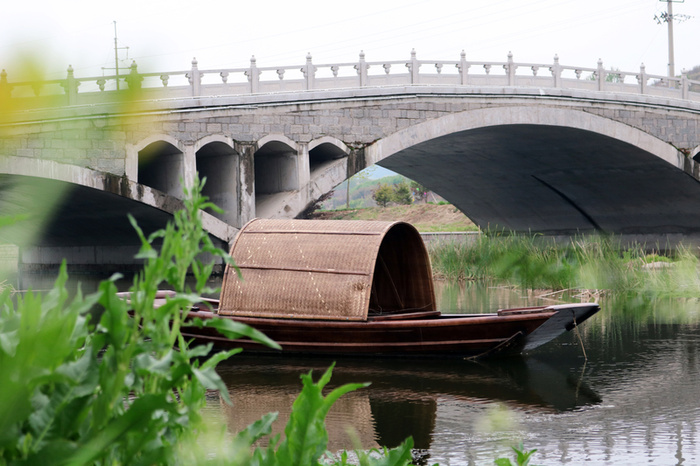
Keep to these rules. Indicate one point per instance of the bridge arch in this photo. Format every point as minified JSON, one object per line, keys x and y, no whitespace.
{"x":218,"y":161}
{"x":538,"y":168}
{"x":521,"y":115}
{"x":323,"y":152}
{"x":86,"y":207}
{"x":160,"y":163}
{"x":277,"y":172}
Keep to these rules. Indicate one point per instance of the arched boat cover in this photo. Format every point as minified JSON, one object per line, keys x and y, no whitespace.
{"x":327,"y":269}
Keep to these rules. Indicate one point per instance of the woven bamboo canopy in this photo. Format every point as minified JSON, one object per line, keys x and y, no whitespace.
{"x":327,"y":269}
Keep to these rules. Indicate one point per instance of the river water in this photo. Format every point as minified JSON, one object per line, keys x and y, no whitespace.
{"x":634,"y":400}
{"x":624,"y":390}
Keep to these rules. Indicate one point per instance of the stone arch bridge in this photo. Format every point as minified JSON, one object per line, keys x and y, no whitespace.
{"x":548,"y":154}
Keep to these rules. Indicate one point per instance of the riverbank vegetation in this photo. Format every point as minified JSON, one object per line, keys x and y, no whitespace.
{"x":585,"y":262}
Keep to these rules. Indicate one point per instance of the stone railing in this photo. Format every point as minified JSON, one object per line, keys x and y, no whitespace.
{"x":310,"y":76}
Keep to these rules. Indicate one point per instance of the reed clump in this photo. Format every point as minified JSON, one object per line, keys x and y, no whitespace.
{"x":585,"y":262}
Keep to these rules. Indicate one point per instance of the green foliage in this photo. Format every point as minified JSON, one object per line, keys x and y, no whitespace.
{"x":522,"y":457}
{"x":361,"y":191}
{"x":612,"y":75}
{"x":383,"y":195}
{"x":402,"y":194}
{"x":83,"y":382}
{"x":62,"y":404}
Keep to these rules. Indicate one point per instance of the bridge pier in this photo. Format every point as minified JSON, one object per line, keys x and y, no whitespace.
{"x":246,"y":191}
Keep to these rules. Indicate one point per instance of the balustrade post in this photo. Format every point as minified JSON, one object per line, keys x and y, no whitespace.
{"x":5,"y":88}
{"x":362,"y":69}
{"x":413,"y":66}
{"x":70,"y":86}
{"x":195,"y":79}
{"x":555,"y":69}
{"x":253,"y":75}
{"x":684,"y":84}
{"x":642,"y":79}
{"x":510,"y":69}
{"x":463,"y":67}
{"x":601,"y":75}
{"x":133,"y":80}
{"x":309,"y":71}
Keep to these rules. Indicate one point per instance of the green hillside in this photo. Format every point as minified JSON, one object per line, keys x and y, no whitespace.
{"x":360,"y":192}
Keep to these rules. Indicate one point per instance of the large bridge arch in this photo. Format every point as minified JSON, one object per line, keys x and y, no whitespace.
{"x":78,"y":207}
{"x":521,"y":115}
{"x":552,"y":170}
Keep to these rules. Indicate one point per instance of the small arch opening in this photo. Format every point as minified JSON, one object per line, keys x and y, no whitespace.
{"x":696,"y":154}
{"x":160,"y":166}
{"x":324,"y":154}
{"x":217,"y":162}
{"x":276,"y":172}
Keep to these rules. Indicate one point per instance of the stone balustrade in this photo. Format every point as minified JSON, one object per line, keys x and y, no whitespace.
{"x":311,"y":76}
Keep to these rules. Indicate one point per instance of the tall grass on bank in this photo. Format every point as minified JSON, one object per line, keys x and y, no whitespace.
{"x":592,"y":262}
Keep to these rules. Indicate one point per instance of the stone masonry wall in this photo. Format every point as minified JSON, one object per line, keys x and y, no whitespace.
{"x":97,"y":141}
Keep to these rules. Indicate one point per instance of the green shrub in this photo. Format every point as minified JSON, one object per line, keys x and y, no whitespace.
{"x":383,"y":195}
{"x":522,"y":457}
{"x":402,"y":194}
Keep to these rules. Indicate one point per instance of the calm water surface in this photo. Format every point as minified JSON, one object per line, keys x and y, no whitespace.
{"x":635,"y":400}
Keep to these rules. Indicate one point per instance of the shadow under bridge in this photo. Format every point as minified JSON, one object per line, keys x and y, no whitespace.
{"x":555,"y":180}
{"x":52,"y":220}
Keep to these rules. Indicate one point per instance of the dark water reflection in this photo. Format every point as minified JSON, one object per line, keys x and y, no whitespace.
{"x":636,"y":399}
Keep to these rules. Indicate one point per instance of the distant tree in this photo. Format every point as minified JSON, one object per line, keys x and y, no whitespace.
{"x":612,"y":75}
{"x":402,"y":194}
{"x":382,"y":195}
{"x":418,"y":190}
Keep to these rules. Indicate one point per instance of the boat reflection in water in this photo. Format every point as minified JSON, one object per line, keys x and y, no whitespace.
{"x":404,"y":395}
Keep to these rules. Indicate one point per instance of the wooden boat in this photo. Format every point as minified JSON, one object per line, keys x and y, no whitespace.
{"x":360,"y":288}
{"x":508,"y":331}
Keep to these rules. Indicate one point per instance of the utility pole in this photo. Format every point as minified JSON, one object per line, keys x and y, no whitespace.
{"x":668,"y":17}
{"x":116,"y":55}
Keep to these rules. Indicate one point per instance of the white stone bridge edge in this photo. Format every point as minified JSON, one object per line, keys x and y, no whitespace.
{"x":240,"y":81}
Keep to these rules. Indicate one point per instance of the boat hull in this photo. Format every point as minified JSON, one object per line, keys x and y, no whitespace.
{"x":449,"y":335}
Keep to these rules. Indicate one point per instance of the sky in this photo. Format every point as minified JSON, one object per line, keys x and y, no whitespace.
{"x":165,"y":35}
